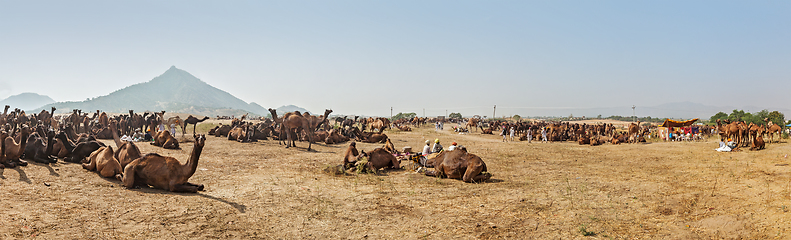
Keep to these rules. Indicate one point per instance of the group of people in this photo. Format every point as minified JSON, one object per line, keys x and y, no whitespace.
{"x":509,"y":133}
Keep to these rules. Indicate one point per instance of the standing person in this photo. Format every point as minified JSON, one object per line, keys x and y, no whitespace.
{"x":543,"y":134}
{"x":512,"y":134}
{"x":529,"y":134}
{"x":504,"y":133}
{"x":173,"y":129}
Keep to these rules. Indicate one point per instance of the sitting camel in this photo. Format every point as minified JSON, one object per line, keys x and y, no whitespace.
{"x":350,"y":156}
{"x":376,"y":138}
{"x":758,"y":143}
{"x":104,"y":162}
{"x":164,"y":172}
{"x":14,"y":150}
{"x":379,"y":158}
{"x":458,"y":164}
{"x":165,"y":140}
{"x":39,"y":150}
{"x":127,"y":151}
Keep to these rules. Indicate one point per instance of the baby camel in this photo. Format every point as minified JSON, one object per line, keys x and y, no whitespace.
{"x":164,"y":172}
{"x":104,"y":162}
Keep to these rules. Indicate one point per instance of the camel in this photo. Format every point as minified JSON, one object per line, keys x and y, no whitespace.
{"x":178,"y":123}
{"x":381,"y":124}
{"x":291,"y":123}
{"x":758,"y":143}
{"x":104,"y":162}
{"x":458,"y":164}
{"x":222,"y":130}
{"x":194,"y":121}
{"x":103,"y":119}
{"x":488,"y":130}
{"x":127,"y":151}
{"x":82,"y":150}
{"x":165,"y":140}
{"x":334,"y":137}
{"x":473,"y":123}
{"x":634,"y":131}
{"x":379,"y":158}
{"x":771,"y":129}
{"x":389,"y":147}
{"x":164,"y":172}
{"x":38,"y":150}
{"x":376,"y":138}
{"x":3,"y":162}
{"x":14,"y":149}
{"x":350,"y":156}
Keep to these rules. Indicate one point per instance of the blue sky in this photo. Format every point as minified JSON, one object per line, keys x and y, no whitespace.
{"x":363,"y":57}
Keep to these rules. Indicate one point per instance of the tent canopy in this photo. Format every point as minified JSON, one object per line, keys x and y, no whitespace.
{"x":789,"y":125}
{"x":674,"y":123}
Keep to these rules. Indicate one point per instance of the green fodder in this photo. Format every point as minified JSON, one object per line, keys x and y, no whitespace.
{"x":361,"y":165}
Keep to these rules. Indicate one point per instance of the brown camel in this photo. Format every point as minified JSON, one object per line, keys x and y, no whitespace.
{"x":222,"y":130}
{"x":771,"y":129}
{"x":14,"y":149}
{"x":194,"y":121}
{"x":334,"y":137}
{"x":104,"y":162}
{"x":103,"y":119}
{"x":473,"y":123}
{"x":164,"y":172}
{"x":758,"y":143}
{"x":379,"y":158}
{"x":292,"y":122}
{"x":350,"y":156}
{"x":127,"y":151}
{"x":376,"y":138}
{"x":176,"y":121}
{"x":458,"y":164}
{"x":38,"y":149}
{"x":3,"y":162}
{"x":634,"y":131}
{"x":165,"y":140}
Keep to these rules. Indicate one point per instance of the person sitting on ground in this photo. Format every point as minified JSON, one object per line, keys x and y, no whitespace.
{"x":427,"y":148}
{"x":437,"y":147}
{"x":452,"y":146}
{"x":138,"y":135}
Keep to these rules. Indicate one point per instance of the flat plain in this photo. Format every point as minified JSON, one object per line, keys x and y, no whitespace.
{"x":561,"y":190}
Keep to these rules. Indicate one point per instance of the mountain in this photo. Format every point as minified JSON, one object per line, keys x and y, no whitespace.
{"x":174,"y":91}
{"x":290,"y":108}
{"x":26,"y":101}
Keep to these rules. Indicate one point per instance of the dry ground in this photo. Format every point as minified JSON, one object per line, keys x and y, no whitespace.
{"x":539,"y":191}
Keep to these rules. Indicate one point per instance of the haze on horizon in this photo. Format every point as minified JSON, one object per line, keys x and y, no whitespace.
{"x":363,"y":57}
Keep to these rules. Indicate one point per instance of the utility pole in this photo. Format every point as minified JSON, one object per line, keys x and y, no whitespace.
{"x":424,"y":112}
{"x":494,"y":111}
{"x":446,"y":112}
{"x":633,"y":115}
{"x":391,"y":112}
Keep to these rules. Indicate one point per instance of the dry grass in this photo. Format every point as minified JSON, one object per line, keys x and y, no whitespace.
{"x":538,"y":191}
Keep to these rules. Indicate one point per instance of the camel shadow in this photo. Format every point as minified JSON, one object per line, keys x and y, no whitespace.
{"x":22,"y":175}
{"x":2,"y":170}
{"x":240,"y":207}
{"x":492,"y":180}
{"x":46,"y":165}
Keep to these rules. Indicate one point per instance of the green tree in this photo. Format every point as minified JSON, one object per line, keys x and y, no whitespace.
{"x":718,"y":116}
{"x":403,"y":115}
{"x":517,"y":117}
{"x":455,"y":115}
{"x":777,"y":117}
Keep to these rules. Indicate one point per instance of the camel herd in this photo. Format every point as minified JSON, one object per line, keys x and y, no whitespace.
{"x":752,"y":135}
{"x":45,"y":138}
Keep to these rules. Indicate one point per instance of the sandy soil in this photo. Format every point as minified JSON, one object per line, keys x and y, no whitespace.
{"x":538,"y":191}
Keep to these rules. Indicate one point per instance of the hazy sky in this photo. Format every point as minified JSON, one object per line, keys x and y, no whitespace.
{"x":362,"y":57}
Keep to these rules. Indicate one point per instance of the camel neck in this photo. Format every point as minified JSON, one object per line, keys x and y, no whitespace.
{"x":50,"y":144}
{"x":117,"y":139}
{"x":192,"y":163}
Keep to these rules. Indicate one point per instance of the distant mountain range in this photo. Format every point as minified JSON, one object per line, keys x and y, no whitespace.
{"x":174,"y":91}
{"x":26,"y":101}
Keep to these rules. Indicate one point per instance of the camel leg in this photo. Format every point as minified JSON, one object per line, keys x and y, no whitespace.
{"x":199,"y":186}
{"x":184,"y":188}
{"x":288,"y":138}
{"x":310,"y":140}
{"x":128,"y":178}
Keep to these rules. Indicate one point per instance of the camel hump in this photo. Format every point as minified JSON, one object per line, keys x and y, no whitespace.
{"x":151,"y":155}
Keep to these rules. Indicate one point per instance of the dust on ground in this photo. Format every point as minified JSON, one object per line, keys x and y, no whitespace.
{"x":678,"y":190}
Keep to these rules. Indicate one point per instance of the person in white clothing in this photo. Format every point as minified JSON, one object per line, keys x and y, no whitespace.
{"x":427,"y":148}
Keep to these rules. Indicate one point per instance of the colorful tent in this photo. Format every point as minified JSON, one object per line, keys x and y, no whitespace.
{"x":674,"y":123}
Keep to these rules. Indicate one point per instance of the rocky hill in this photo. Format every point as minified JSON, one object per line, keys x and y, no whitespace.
{"x":26,"y":101}
{"x":174,"y":91}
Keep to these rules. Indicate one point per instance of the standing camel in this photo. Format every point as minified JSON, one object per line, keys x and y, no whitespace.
{"x":292,"y":123}
{"x":194,"y":121}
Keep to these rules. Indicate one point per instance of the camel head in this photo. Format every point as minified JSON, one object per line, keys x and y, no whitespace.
{"x":200,"y":140}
